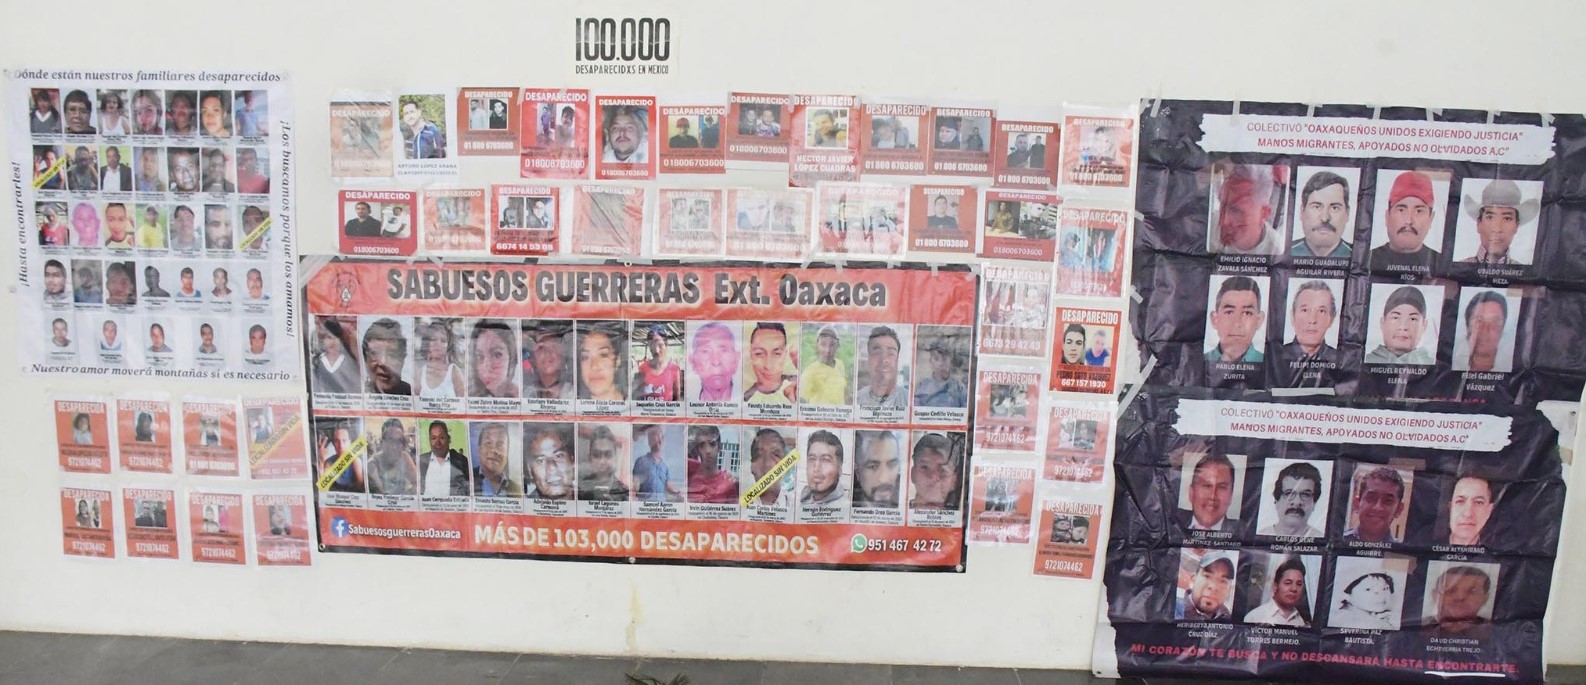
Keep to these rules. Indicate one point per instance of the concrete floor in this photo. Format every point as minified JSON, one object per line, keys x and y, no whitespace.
{"x":28,"y":658}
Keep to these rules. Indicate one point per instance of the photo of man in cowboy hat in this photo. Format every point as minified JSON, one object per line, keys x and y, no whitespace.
{"x":1504,"y":207}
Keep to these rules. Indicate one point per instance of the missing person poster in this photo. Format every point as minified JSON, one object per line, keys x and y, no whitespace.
{"x":277,"y":443}
{"x":626,"y":137}
{"x":427,"y":123}
{"x":143,"y":429}
{"x":1098,"y":150}
{"x":455,"y":220}
{"x":689,"y":222}
{"x":524,"y":219}
{"x":1415,"y":254}
{"x":378,"y":222}
{"x":860,"y":220}
{"x":1085,"y":359}
{"x":1090,"y":251}
{"x":765,"y":224}
{"x":961,"y":140}
{"x":553,"y":136}
{"x":808,"y":416}
{"x":150,"y":515}
{"x":88,"y":526}
{"x":281,"y":529}
{"x":1007,"y":411}
{"x":489,"y":121}
{"x":758,"y":129}
{"x":820,"y":147}
{"x":1014,"y":311}
{"x":889,"y":139}
{"x":1001,"y":497}
{"x":154,"y":223}
{"x":82,"y":433}
{"x":943,"y":218}
{"x":1020,"y":225}
{"x":1420,"y":254}
{"x":361,"y":131}
{"x":1024,"y":155}
{"x":215,"y":527}
{"x":1078,"y":440}
{"x":1064,"y":544}
{"x":1330,"y":540}
{"x":209,"y":437}
{"x":608,"y":221}
{"x":691,"y":139}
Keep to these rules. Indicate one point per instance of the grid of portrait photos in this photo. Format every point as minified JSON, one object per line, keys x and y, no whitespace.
{"x":661,"y":419}
{"x":152,"y":237}
{"x":203,"y":479}
{"x":1347,"y":264}
{"x":1363,"y":275}
{"x":1336,"y":547}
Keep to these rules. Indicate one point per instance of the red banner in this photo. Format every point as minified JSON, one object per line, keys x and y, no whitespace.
{"x":715,"y":414}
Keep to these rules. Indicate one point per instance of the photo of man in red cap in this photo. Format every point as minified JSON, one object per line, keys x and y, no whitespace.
{"x":1411,"y":211}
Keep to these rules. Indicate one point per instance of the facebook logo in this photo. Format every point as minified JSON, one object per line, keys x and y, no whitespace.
{"x":339,"y":526}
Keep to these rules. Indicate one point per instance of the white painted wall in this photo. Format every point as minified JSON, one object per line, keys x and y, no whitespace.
{"x":1517,"y":56}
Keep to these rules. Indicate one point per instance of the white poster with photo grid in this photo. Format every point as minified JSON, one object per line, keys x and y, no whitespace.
{"x":154,"y":223}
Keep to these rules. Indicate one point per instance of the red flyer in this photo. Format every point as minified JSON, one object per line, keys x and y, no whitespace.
{"x":378,"y":222}
{"x":689,"y":223}
{"x":277,"y":443}
{"x":1066,"y":534}
{"x":280,"y":530}
{"x":863,"y":220}
{"x":768,"y":224}
{"x":151,"y":528}
{"x":626,"y":137}
{"x":553,"y":136}
{"x":1001,"y":498}
{"x":1085,"y":359}
{"x":82,"y":434}
{"x":488,"y":121}
{"x":143,"y":427}
{"x":209,"y":437}
{"x":87,"y":523}
{"x":1099,"y":151}
{"x":1090,"y":251}
{"x":454,"y":220}
{"x":215,"y":521}
{"x":1024,"y":155}
{"x":1014,"y":305}
{"x":821,"y":147}
{"x":942,"y":218}
{"x":691,"y":142}
{"x":757,"y":128}
{"x":1007,"y":410}
{"x":889,"y":139}
{"x":608,"y":221}
{"x":523,"y":219}
{"x":961,"y":141}
{"x":1020,"y":225}
{"x":1078,"y":435}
